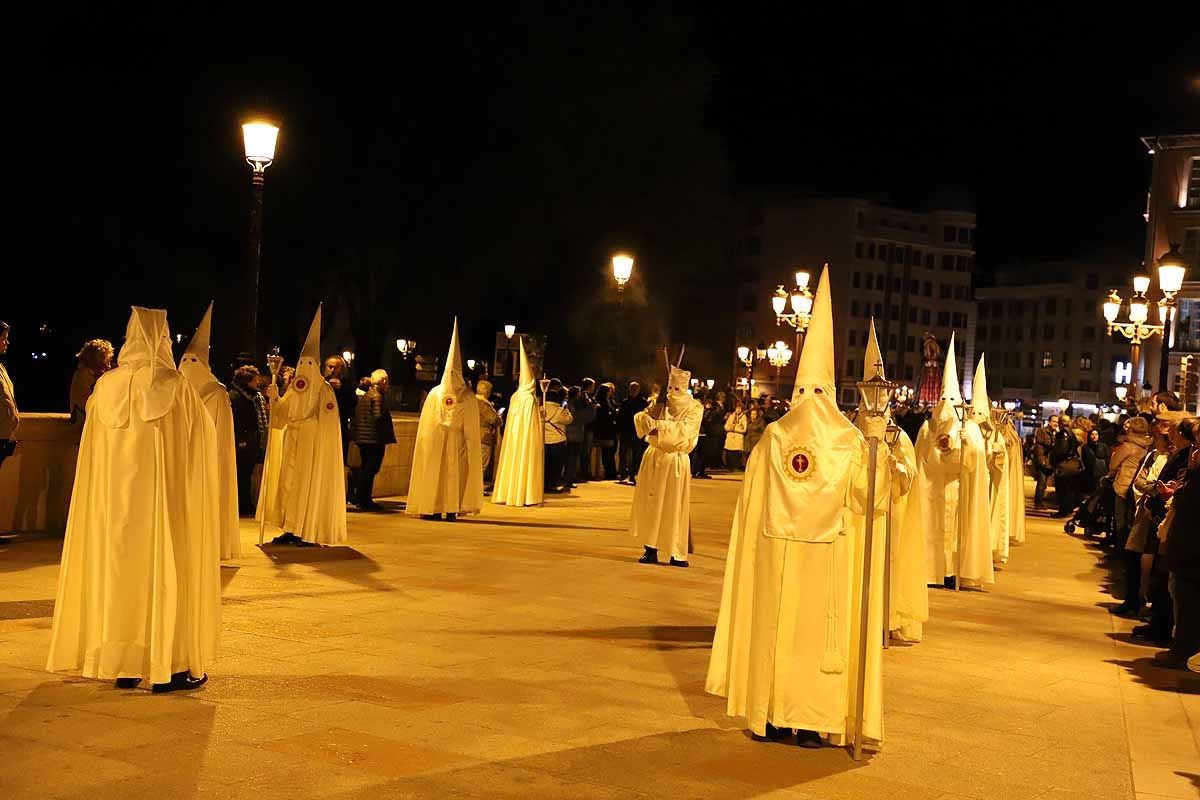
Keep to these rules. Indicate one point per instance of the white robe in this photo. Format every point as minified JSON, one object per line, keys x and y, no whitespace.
{"x":938,"y":492}
{"x":447,"y":468}
{"x":662,"y":500}
{"x":909,"y":594}
{"x":1016,"y":485}
{"x":520,"y":475}
{"x":787,"y":634}
{"x":139,"y":588}
{"x":303,"y":488}
{"x":999,"y":521}
{"x":216,"y":401}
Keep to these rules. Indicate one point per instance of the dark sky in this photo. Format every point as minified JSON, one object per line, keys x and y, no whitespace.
{"x":487,"y":164}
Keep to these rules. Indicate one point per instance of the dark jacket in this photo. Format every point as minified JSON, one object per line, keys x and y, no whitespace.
{"x":1183,"y":540}
{"x":245,"y":419}
{"x":583,"y":413}
{"x":373,"y":420}
{"x":606,"y":424}
{"x":629,"y":408}
{"x":1043,"y":443}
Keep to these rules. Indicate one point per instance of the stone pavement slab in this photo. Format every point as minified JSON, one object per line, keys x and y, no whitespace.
{"x":524,"y":653}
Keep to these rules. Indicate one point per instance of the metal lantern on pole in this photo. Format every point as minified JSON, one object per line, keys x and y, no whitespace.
{"x":876,"y":395}
{"x":963,"y":412}
{"x":892,"y":435}
{"x":258,"y":139}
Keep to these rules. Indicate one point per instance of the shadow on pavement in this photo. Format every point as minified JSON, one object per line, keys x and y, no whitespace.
{"x":652,"y":637}
{"x":1147,"y":672}
{"x":705,"y":763}
{"x":20,"y":550}
{"x":26,"y":609}
{"x":339,"y":562}
{"x":509,"y":523}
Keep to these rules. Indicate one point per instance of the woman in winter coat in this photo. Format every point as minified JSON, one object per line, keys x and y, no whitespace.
{"x":735,"y":430}
{"x":605,"y":429}
{"x":1123,"y":465}
{"x":756,"y":423}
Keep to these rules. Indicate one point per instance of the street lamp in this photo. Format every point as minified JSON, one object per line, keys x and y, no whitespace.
{"x":710,"y":383}
{"x":1137,"y":329}
{"x":348,"y":356}
{"x":800,"y":299}
{"x":746,"y":356}
{"x":1063,"y":404}
{"x":1120,"y":391}
{"x":779,"y":354}
{"x":258,"y":139}
{"x":622,"y":267}
{"x":470,"y":363}
{"x":1171,"y":270}
{"x":510,"y":331}
{"x":405,"y":346}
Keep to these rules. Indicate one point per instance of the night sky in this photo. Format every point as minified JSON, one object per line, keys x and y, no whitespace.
{"x":441,"y":162}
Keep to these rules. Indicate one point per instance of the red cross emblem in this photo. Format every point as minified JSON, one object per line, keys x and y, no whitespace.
{"x":300,"y":384}
{"x":800,"y":464}
{"x":943,"y":443}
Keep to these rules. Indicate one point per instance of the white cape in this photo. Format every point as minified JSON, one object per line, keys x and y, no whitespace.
{"x":1000,"y":512}
{"x":447,"y":468}
{"x":139,"y":589}
{"x":216,"y":401}
{"x":909,"y":594}
{"x":785,"y":649}
{"x":938,"y":492}
{"x":303,"y":487}
{"x":662,"y":499}
{"x":520,"y":475}
{"x":1016,"y":484}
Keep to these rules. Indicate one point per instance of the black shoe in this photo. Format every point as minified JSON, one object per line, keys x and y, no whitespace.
{"x":128,"y":683}
{"x":1146,"y":633}
{"x":286,"y":538}
{"x":773,"y":734}
{"x":950,"y":582}
{"x":649,"y":557}
{"x":809,"y":740}
{"x":180,"y":682}
{"x":372,"y":506}
{"x":302,"y":543}
{"x":451,"y":517}
{"x":1126,"y":609}
{"x":675,"y":563}
{"x":431,"y":516}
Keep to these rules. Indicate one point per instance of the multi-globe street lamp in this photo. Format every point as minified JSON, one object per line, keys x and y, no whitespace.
{"x":779,"y":354}
{"x":258,"y":139}
{"x":1138,"y":328}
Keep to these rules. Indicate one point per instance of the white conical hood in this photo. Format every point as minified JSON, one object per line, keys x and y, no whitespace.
{"x":981,"y":404}
{"x":816,"y":366}
{"x":199,"y":344}
{"x":951,"y":388}
{"x":305,"y":386}
{"x":452,"y":376}
{"x":194,"y":361}
{"x":312,"y":344}
{"x":145,"y":378}
{"x":528,"y":382}
{"x":873,"y":361}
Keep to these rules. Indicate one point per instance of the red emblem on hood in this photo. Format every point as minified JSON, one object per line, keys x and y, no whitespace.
{"x":329,"y":406}
{"x":449,"y":401}
{"x":301,"y":383}
{"x":800,"y":464}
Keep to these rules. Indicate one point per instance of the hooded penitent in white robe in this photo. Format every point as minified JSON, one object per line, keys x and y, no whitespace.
{"x":447,"y":472}
{"x":1016,"y":483}
{"x":786,"y":643}
{"x":303,"y":487}
{"x":139,"y":589}
{"x":908,"y":605}
{"x":987,"y":418}
{"x":194,"y":365}
{"x":939,"y":454}
{"x":662,"y":500}
{"x":520,"y":477}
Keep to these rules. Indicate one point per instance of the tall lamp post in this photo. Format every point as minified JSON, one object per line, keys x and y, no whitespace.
{"x":259,"y":141}
{"x":622,"y":269}
{"x":800,"y":299}
{"x":779,"y":354}
{"x":876,"y":396}
{"x":1138,"y":329}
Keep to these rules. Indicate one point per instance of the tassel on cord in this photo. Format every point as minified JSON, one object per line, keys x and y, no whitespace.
{"x":833,"y":661}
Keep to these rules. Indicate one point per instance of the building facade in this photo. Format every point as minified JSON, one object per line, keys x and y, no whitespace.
{"x":1173,"y":217}
{"x":1043,"y":331}
{"x":910,"y":270}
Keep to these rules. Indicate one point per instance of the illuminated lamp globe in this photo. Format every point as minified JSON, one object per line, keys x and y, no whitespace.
{"x":510,"y":330}
{"x":802,"y":279}
{"x":779,"y":301}
{"x":1063,"y":403}
{"x":1121,"y":391}
{"x":743,"y":352}
{"x":1138,"y":311}
{"x":259,"y":140}
{"x":1112,"y":306}
{"x":1171,"y":270}
{"x":622,"y":266}
{"x":1141,"y":283}
{"x":710,"y":383}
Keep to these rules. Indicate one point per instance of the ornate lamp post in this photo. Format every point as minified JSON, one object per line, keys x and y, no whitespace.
{"x":1171,"y":270}
{"x":1138,"y":329}
{"x":779,"y":354}
{"x":876,"y":396}
{"x":800,"y":300}
{"x":259,"y":140}
{"x":622,"y":269}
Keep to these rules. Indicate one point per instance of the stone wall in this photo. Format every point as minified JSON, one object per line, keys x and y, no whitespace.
{"x":35,"y":483}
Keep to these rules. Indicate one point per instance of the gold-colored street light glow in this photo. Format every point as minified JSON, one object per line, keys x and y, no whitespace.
{"x":1138,"y":310}
{"x":510,"y":331}
{"x":1112,"y":306}
{"x":259,"y":139}
{"x":1064,"y":403}
{"x":802,"y":279}
{"x":622,"y":266}
{"x":743,"y":353}
{"x":1141,"y":283}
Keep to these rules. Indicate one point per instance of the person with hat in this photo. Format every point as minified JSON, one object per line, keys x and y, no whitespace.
{"x":490,"y":438}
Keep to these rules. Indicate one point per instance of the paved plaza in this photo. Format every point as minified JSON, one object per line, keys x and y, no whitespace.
{"x":525,"y":654}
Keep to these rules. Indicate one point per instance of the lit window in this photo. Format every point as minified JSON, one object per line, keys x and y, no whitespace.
{"x":1047,"y":359}
{"x":1085,"y":360}
{"x":1193,"y":187}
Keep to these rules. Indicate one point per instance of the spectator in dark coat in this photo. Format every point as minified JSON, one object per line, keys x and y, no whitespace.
{"x":372,"y":433}
{"x":605,"y":429}
{"x":1183,"y":554}
{"x":249,"y":431}
{"x":631,"y":446}
{"x":336,"y":375}
{"x":583,"y":414}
